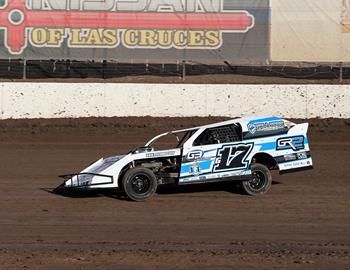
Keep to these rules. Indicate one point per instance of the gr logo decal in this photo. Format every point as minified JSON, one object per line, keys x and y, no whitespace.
{"x":233,"y":157}
{"x":193,"y":155}
{"x":295,"y":143}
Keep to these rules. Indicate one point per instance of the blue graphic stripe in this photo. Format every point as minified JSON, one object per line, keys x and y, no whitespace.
{"x":267,"y":146}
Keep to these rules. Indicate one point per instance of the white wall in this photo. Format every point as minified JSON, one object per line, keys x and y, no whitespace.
{"x":58,"y":100}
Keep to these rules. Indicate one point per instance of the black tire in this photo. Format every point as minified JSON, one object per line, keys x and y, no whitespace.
{"x":139,"y":184}
{"x":261,"y":181}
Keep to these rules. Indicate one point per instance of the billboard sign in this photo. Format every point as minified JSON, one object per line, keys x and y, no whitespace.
{"x":134,"y":29}
{"x":346,"y":16}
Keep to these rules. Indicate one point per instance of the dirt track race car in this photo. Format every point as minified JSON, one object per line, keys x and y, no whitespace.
{"x":242,"y":149}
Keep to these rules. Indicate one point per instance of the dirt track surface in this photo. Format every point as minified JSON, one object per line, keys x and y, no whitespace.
{"x":302,"y":223}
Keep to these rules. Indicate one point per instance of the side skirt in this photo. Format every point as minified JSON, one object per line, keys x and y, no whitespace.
{"x":223,"y":179}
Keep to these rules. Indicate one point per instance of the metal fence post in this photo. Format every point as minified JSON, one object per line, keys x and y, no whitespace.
{"x":341,"y":72}
{"x":24,"y":69}
{"x":104,"y":63}
{"x":183,"y":70}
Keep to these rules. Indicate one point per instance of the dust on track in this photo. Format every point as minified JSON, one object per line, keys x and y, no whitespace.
{"x":302,"y":223}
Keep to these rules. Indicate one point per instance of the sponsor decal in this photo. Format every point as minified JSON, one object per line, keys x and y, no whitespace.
{"x":160,"y":154}
{"x":296,"y":164}
{"x":294,"y":143}
{"x":195,"y":169}
{"x":232,"y":157}
{"x":180,"y":24}
{"x":265,"y":126}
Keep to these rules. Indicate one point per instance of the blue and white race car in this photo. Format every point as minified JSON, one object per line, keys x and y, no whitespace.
{"x":242,"y":149}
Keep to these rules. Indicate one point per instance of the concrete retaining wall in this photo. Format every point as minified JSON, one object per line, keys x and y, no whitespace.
{"x":59,"y":100}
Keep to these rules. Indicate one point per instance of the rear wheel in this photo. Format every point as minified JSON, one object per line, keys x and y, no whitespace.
{"x":261,"y":180}
{"x":139,"y":184}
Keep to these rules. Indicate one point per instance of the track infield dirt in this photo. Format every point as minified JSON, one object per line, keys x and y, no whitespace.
{"x":302,"y":223}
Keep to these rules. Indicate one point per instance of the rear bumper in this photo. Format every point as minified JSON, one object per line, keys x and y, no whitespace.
{"x":297,"y":170}
{"x":296,"y":165}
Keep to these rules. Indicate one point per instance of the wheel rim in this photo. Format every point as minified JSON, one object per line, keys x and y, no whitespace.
{"x":257,"y":183}
{"x":140,"y":184}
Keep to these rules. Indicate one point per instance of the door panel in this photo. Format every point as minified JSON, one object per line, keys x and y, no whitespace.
{"x":200,"y":163}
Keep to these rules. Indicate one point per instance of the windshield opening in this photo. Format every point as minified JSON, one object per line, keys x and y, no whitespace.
{"x":172,"y":140}
{"x":185,"y":137}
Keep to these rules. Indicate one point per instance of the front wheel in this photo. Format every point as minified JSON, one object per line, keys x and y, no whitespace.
{"x":261,"y":180}
{"x":139,"y":184}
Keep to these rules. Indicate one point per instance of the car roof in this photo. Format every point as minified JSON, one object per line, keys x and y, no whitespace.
{"x":240,"y":120}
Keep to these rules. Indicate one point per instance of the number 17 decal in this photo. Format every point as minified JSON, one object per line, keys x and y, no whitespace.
{"x":232,"y":157}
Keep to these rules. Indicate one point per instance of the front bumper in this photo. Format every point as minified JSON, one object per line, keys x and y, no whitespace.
{"x":85,"y":180}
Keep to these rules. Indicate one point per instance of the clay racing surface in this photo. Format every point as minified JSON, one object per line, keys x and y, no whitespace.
{"x":302,"y":223}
